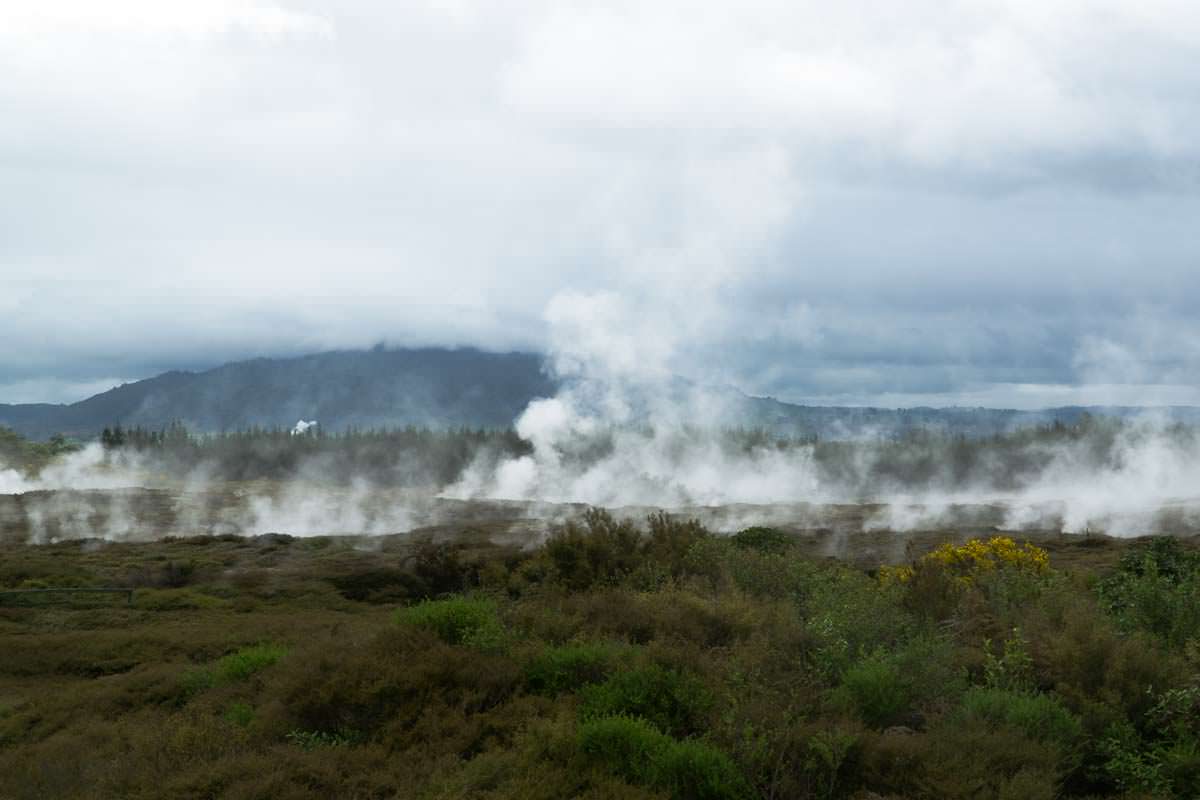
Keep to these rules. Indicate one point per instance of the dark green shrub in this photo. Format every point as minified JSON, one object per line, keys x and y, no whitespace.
{"x":439,"y":569}
{"x":195,"y":680}
{"x":231,"y":668}
{"x":682,"y":616}
{"x":1180,"y":764}
{"x":603,"y":550}
{"x":639,"y":753}
{"x":245,"y":662}
{"x":1156,"y":588}
{"x":921,"y":676}
{"x":629,"y":746}
{"x":673,"y":701}
{"x":1131,"y":765}
{"x":175,"y":575}
{"x":1164,"y":759}
{"x":380,"y":585}
{"x":1012,"y":668}
{"x":643,"y":617}
{"x":1098,"y":671}
{"x":457,"y":620}
{"x":1165,"y":555}
{"x":964,"y":758}
{"x":851,"y":616}
{"x":1007,"y":592}
{"x":240,"y":714}
{"x":877,"y":691}
{"x":826,"y":756}
{"x":670,"y":540}
{"x":933,"y":592}
{"x":1040,"y":717}
{"x":709,"y":559}
{"x":694,"y":770}
{"x":763,"y":539}
{"x":775,"y":575}
{"x":403,"y":685}
{"x":566,"y":668}
{"x":760,"y":571}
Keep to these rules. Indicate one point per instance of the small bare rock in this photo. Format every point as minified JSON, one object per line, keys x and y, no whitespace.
{"x":898,"y":730}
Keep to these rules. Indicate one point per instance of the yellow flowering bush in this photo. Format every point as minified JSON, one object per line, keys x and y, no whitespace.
{"x":889,"y":576}
{"x":976,"y":557}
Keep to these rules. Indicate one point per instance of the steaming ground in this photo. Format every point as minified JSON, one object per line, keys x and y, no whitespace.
{"x":1126,"y":480}
{"x":624,"y":433}
{"x":144,"y":514}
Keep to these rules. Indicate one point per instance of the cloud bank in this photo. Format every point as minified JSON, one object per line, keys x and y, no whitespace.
{"x":939,"y":202}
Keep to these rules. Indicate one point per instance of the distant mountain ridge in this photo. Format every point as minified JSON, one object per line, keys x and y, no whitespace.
{"x":375,"y":388}
{"x":440,"y":388}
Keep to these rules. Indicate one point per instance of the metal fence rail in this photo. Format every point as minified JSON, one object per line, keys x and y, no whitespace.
{"x":90,"y":590}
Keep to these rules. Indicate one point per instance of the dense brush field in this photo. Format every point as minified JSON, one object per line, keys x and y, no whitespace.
{"x":613,"y":661}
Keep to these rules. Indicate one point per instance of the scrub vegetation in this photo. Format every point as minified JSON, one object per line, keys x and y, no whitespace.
{"x":616,"y":660}
{"x":28,"y":456}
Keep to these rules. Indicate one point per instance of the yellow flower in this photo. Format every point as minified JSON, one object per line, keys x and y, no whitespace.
{"x":973,"y":558}
{"x":891,"y":575}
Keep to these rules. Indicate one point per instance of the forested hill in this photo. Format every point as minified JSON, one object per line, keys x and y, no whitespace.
{"x":365,"y":388}
{"x":443,"y":388}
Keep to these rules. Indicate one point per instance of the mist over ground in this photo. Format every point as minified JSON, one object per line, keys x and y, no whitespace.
{"x":1102,"y":475}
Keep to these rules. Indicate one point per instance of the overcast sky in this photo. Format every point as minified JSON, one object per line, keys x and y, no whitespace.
{"x":950,"y":202}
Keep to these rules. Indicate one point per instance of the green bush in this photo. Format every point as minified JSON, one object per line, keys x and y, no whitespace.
{"x":245,"y":662}
{"x":402,"y":685}
{"x":235,"y":666}
{"x":1013,"y":668}
{"x":1097,"y":670}
{"x":471,"y":621}
{"x":1130,"y":764}
{"x":851,"y":616}
{"x":240,"y":714}
{"x":965,"y":758}
{"x":568,"y":667}
{"x":639,"y":753}
{"x":877,"y":691}
{"x":1164,"y":760}
{"x":888,"y":687}
{"x":606,"y":551}
{"x":195,"y":680}
{"x":762,"y":539}
{"x":670,"y":540}
{"x":1165,"y":555}
{"x":380,"y":585}
{"x":697,"y":771}
{"x":933,"y":592}
{"x":1040,"y":717}
{"x":601,"y":551}
{"x":672,"y":701}
{"x":629,"y":746}
{"x":1156,"y":588}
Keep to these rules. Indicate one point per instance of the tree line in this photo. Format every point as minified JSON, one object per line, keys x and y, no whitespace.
{"x":408,"y":456}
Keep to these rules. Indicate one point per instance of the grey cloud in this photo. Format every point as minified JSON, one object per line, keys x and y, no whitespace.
{"x":810,"y":201}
